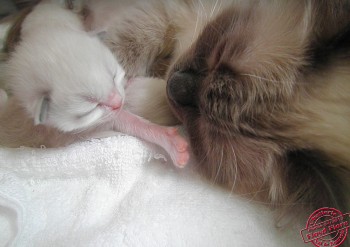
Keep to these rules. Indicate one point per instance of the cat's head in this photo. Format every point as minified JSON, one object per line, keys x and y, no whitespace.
{"x":239,"y":71}
{"x":68,"y":81}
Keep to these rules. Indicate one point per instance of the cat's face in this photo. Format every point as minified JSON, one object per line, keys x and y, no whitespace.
{"x":71,"y":83}
{"x":224,"y":88}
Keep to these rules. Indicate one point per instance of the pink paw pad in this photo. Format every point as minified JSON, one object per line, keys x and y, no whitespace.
{"x":183,"y":159}
{"x":172,"y":131}
{"x":178,"y":147}
{"x":180,"y":143}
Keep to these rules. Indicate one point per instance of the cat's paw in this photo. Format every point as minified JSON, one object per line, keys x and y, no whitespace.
{"x":177,"y":147}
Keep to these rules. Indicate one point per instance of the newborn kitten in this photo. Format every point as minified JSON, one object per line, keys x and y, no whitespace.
{"x":67,"y":80}
{"x":261,"y":86}
{"x":97,"y":21}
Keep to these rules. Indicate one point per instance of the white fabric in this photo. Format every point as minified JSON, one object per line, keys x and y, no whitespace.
{"x":113,"y":192}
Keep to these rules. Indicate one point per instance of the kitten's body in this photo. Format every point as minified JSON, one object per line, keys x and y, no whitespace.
{"x":67,"y":86}
{"x":263,"y":88}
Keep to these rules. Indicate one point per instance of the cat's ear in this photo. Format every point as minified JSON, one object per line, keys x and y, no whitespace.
{"x":41,"y":110}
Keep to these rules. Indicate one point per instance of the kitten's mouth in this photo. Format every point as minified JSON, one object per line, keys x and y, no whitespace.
{"x":111,"y":107}
{"x":114,"y":101}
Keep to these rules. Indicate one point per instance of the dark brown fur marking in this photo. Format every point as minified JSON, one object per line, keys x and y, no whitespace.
{"x":247,"y":125}
{"x":14,"y":34}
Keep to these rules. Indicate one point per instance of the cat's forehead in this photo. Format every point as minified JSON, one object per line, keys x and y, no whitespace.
{"x":226,"y":35}
{"x":195,"y":58}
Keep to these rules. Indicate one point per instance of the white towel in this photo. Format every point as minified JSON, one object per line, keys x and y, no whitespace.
{"x":113,"y":192}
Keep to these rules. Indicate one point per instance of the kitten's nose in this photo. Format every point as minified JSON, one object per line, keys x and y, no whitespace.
{"x":181,"y":88}
{"x":114,"y":101}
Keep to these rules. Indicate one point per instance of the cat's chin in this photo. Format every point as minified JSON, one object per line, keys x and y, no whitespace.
{"x":190,"y":116}
{"x":185,"y":114}
{"x":178,"y":112}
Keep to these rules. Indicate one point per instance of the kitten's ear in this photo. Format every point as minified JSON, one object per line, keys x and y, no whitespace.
{"x":41,"y":110}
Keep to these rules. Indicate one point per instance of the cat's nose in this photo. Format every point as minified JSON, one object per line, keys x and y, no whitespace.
{"x":182,"y":87}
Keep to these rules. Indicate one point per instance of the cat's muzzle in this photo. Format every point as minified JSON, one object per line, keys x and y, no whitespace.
{"x":182,"y":89}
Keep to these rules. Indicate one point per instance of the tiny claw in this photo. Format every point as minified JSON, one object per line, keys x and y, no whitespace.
{"x":183,"y":160}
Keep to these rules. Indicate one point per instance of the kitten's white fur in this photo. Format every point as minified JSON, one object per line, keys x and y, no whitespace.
{"x":66,"y":79}
{"x":57,"y":58}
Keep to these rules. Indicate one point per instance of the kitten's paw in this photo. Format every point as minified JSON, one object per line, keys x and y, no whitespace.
{"x":172,"y":131}
{"x":182,"y":159}
{"x":177,"y":147}
{"x":180,"y":144}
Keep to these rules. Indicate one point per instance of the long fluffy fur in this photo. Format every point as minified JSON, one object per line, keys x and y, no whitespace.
{"x":270,"y":105}
{"x":262,"y":87}
{"x":68,"y":44}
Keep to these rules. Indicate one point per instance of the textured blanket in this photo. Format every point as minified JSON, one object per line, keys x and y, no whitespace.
{"x":120,"y":192}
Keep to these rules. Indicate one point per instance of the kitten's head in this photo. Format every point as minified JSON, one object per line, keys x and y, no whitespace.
{"x":66,"y":80}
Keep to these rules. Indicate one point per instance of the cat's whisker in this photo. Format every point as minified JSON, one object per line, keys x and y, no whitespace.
{"x":218,"y":172}
{"x":195,"y":29}
{"x":234,"y":172}
{"x":179,"y":41}
{"x":254,"y":194}
{"x":204,"y":156}
{"x":234,"y":169}
{"x":214,"y":8}
{"x":244,"y":195}
{"x":261,"y":78}
{"x":204,"y":9}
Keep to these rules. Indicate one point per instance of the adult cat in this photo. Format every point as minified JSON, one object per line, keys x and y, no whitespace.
{"x":263,"y":88}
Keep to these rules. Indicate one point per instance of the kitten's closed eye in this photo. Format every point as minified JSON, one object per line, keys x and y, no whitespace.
{"x":94,"y":107}
{"x":41,"y":113}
